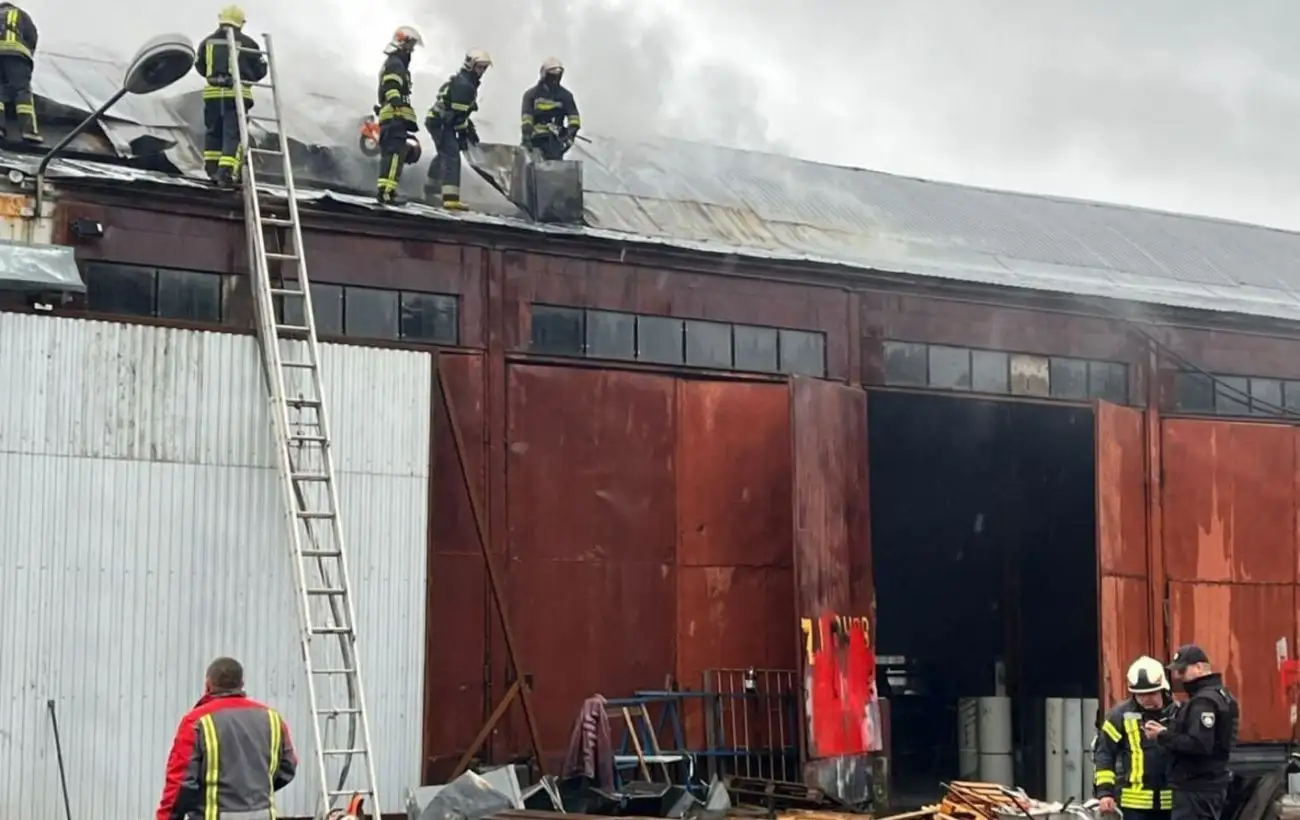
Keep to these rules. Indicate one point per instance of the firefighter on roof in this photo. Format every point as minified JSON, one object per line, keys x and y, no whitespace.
{"x":1131,"y":770}
{"x":230,"y":754}
{"x":16,"y":52}
{"x":397,"y":120}
{"x":549,"y":116}
{"x":450,"y":123}
{"x":222,"y":149}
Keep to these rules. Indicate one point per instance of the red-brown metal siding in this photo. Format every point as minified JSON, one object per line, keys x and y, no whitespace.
{"x":1125,"y":626}
{"x":590,"y":482}
{"x":454,"y":707}
{"x":735,"y":583}
{"x":1230,"y":550}
{"x":832,"y":532}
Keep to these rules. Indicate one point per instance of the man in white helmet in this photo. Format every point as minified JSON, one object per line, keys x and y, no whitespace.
{"x":451,"y":124}
{"x":397,"y":120}
{"x":1132,"y":770}
{"x":549,"y":116}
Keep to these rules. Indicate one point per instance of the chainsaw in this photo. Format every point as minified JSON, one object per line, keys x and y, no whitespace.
{"x":368,"y":139}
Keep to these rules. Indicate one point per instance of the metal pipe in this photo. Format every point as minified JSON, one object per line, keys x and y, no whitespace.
{"x":44,"y":164}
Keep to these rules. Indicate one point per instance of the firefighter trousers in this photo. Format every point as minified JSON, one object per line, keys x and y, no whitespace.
{"x":17,"y":102}
{"x":444,"y":171}
{"x":222,"y":152}
{"x":392,"y":157}
{"x":549,"y":146}
{"x":1197,"y":805}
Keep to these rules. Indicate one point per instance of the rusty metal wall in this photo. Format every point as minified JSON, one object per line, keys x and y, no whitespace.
{"x":735,"y":582}
{"x":1126,"y":627}
{"x":1230,"y":551}
{"x":592,"y":534}
{"x":459,"y":618}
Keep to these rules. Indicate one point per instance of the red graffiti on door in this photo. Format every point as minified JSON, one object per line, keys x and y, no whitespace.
{"x":841,"y":701}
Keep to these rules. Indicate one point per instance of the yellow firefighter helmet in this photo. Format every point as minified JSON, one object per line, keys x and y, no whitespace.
{"x":231,"y":16}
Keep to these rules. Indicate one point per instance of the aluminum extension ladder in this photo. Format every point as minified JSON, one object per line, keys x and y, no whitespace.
{"x":286,"y":330}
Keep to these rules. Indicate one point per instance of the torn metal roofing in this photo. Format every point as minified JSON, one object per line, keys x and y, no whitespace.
{"x":761,"y":206}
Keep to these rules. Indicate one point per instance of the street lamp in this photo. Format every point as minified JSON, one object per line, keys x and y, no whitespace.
{"x":160,"y":62}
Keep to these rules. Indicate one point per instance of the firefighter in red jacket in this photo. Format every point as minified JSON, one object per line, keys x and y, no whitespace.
{"x":223,"y":752}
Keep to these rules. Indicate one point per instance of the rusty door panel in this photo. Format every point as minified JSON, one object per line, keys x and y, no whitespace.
{"x":591,"y":523}
{"x":1238,"y":626}
{"x":841,"y":720}
{"x":1125,"y":627}
{"x":733,"y":474}
{"x":1229,"y":496}
{"x":457,"y":602}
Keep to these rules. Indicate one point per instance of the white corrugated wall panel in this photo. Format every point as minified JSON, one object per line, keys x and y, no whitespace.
{"x":141,"y":536}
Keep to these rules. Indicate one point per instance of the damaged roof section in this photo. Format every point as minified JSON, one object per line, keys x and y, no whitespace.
{"x":725,"y":201}
{"x":72,"y":82}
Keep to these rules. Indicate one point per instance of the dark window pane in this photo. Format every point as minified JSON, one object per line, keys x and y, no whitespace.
{"x":1230,"y":395}
{"x":611,"y":335}
{"x":1108,"y":381}
{"x":708,"y":344}
{"x":1193,"y":392}
{"x":190,"y":295}
{"x":990,"y":371}
{"x":659,"y":339}
{"x":1068,"y":378}
{"x":755,"y":348}
{"x":803,"y":353}
{"x":124,"y":289}
{"x":430,"y":317}
{"x":370,"y":313}
{"x":950,"y":367}
{"x":557,"y":330}
{"x":327,"y":307}
{"x":905,"y":363}
{"x":1265,"y":396}
{"x":1291,"y":393}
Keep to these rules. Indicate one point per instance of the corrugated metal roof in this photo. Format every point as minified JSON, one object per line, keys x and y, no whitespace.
{"x":159,"y":439}
{"x":720,"y":200}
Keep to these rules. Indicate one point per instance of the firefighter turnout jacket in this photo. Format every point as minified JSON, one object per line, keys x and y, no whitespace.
{"x":213,"y":63}
{"x":549,"y":109}
{"x":1129,"y":767}
{"x":231,"y":754}
{"x":395,"y":91}
{"x":1201,"y":737}
{"x":456,"y":103}
{"x":20,"y":33}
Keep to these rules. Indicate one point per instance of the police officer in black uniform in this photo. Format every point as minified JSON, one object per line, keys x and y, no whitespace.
{"x":1131,"y":771}
{"x":1200,"y":738}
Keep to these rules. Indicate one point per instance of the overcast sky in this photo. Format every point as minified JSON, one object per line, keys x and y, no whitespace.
{"x":1185,"y":105}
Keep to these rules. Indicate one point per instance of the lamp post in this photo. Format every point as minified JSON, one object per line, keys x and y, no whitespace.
{"x":159,"y":63}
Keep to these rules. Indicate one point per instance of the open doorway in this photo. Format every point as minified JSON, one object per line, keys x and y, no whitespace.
{"x":983,"y":526}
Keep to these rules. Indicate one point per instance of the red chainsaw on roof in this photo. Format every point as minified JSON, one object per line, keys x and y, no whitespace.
{"x":368,"y":140}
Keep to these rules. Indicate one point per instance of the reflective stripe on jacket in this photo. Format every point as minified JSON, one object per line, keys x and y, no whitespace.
{"x":20,"y":35}
{"x":1128,"y":766}
{"x":230,"y":755}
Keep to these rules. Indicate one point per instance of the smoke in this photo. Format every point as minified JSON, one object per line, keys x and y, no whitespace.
{"x":1185,"y":105}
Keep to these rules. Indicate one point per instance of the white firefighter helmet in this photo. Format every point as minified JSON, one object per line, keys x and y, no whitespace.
{"x":1146,"y":675}
{"x":552,"y":65}
{"x":406,"y":38}
{"x":477,"y":59}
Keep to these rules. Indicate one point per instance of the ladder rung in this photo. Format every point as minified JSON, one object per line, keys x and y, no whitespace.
{"x":285,"y":256}
{"x":326,"y":591}
{"x":309,"y":439}
{"x":307,"y":365}
{"x":287,"y":292}
{"x":292,"y":329}
{"x":277,"y":221}
{"x":350,"y":792}
{"x":260,"y":118}
{"x":339,"y":752}
{"x":260,"y":84}
{"x":275,"y":152}
{"x":315,"y":515}
{"x":330,"y":630}
{"x":301,"y":402}
{"x":321,"y":554}
{"x":332,"y":711}
{"x":335,"y":671}
{"x":311,"y":476}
